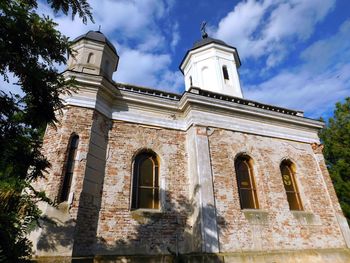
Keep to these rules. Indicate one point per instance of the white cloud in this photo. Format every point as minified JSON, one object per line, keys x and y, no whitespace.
{"x":139,"y":67}
{"x":327,"y":52}
{"x":152,"y":42}
{"x":265,"y":28}
{"x":303,"y":91}
{"x":317,"y":84}
{"x":175,"y":37}
{"x":147,"y":69}
{"x":142,"y":41}
{"x":135,"y":21}
{"x":171,"y":81}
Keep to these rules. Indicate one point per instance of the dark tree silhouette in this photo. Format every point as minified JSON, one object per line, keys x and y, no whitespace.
{"x":336,"y":139}
{"x":30,"y":45}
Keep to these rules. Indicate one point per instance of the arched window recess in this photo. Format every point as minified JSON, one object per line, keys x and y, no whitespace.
{"x":225,"y":73}
{"x":69,"y":168}
{"x":145,"y":185}
{"x":290,"y":185}
{"x":245,"y":181}
{"x":91,"y":58}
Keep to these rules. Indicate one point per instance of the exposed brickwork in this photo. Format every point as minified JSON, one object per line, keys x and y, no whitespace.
{"x":128,"y":231}
{"x":55,"y":145}
{"x":100,"y":210}
{"x":317,"y":148}
{"x":282,"y":229}
{"x":200,"y":218}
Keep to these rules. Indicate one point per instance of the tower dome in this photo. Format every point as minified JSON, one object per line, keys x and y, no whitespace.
{"x":212,"y":65}
{"x":94,"y":54}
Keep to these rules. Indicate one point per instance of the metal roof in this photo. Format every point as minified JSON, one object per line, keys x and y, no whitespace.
{"x":96,"y":36}
{"x":208,"y":40}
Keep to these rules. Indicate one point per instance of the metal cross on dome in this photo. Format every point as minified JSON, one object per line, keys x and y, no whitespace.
{"x":204,"y":33}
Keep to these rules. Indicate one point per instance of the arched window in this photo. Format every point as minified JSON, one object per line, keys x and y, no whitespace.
{"x":245,"y":181}
{"x":225,"y":73}
{"x":145,"y":190}
{"x":288,"y":177}
{"x":69,"y":168}
{"x":90,"y":58}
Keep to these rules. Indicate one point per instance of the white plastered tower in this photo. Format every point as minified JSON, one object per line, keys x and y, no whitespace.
{"x":212,"y":65}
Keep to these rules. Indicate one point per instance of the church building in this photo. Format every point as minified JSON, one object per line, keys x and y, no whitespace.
{"x":144,"y":175}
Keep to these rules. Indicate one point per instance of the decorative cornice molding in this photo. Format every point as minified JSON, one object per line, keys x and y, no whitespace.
{"x":166,"y":110}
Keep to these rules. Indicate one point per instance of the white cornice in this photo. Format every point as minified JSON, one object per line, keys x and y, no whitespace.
{"x":98,"y":93}
{"x":189,"y":99}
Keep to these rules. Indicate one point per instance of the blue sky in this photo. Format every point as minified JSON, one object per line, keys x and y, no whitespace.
{"x":294,"y":53}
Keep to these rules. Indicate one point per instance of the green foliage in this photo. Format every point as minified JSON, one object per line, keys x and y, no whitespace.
{"x":30,"y":46}
{"x":336,"y":139}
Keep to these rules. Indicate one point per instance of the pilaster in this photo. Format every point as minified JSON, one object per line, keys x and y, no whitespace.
{"x":202,"y":188}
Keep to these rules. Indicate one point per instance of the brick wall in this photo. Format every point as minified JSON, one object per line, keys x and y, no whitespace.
{"x":124,"y":231}
{"x":100,"y":208}
{"x":278,"y":228}
{"x":55,"y":145}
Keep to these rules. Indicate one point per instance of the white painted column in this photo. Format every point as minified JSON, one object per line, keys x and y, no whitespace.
{"x":202,"y":176}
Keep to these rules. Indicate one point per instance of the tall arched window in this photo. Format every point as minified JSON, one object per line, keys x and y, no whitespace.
{"x":245,"y":181}
{"x":225,"y":73}
{"x":69,"y":168}
{"x":288,"y":177}
{"x":145,"y":188}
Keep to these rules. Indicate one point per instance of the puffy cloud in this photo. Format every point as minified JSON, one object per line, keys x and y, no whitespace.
{"x":315,"y":95}
{"x":322,"y":79}
{"x":122,"y":19}
{"x":139,"y":28}
{"x":267,"y":28}
{"x":328,"y":52}
{"x":147,"y":69}
{"x":172,"y":81}
{"x":139,"y":67}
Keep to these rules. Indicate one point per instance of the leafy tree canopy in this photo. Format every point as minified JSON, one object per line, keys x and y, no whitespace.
{"x":30,"y":46}
{"x":336,"y":139}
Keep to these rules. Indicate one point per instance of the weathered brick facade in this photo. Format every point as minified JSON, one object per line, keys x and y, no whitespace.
{"x":119,"y":228}
{"x":196,"y":137}
{"x":279,"y":228}
{"x":100,"y":206}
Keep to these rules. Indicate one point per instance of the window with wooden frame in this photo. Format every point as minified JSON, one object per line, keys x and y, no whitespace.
{"x":245,"y":180}
{"x":145,"y":186}
{"x":290,"y":185}
{"x":69,"y":168}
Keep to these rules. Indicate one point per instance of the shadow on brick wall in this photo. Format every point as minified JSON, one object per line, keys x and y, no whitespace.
{"x":172,"y":235}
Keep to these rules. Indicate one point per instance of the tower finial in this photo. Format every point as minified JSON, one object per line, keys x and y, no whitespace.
{"x":99,"y":28}
{"x":204,"y":33}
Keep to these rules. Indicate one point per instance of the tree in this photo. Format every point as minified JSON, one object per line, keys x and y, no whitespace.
{"x":336,"y":139}
{"x":29,"y":46}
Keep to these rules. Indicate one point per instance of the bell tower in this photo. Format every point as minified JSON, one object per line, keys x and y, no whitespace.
{"x":212,"y":65}
{"x":94,"y":54}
